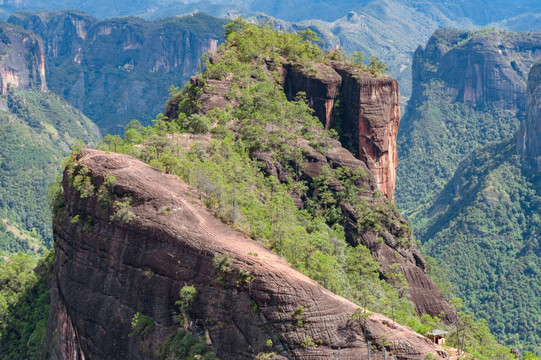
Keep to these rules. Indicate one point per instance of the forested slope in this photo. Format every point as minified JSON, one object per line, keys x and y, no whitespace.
{"x":37,"y":130}
{"x":473,"y":202}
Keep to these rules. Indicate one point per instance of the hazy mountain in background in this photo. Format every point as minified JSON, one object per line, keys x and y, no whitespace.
{"x":120,"y":69}
{"x":460,"y":179}
{"x":389,"y":29}
{"x":480,"y":12}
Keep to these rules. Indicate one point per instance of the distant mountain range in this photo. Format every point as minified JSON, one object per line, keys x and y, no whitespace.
{"x":472,"y":194}
{"x":389,"y":29}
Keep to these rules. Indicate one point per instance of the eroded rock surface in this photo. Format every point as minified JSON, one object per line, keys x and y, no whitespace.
{"x":22,"y":60}
{"x":529,"y":135}
{"x":364,"y":109}
{"x":106,"y":272}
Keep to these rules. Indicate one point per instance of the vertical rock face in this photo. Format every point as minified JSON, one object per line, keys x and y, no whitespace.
{"x":372,"y":113}
{"x":62,"y":32}
{"x":119,"y":69}
{"x":22,"y":60}
{"x":493,"y":67}
{"x":365,"y":110}
{"x":529,"y":135}
{"x":321,"y":89}
{"x":107,"y":272}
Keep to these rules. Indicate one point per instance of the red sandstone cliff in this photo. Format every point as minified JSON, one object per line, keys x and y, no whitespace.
{"x":363,"y":108}
{"x":101,"y":279}
{"x":378,"y":99}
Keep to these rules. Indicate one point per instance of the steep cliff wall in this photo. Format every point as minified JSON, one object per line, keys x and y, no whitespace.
{"x":483,"y":68}
{"x":529,"y":136}
{"x":22,"y":60}
{"x":365,"y":110}
{"x":62,"y":32}
{"x":119,"y":69}
{"x":393,"y":243}
{"x":107,"y":270}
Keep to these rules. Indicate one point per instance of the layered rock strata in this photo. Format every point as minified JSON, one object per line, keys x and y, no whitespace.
{"x":107,"y":272}
{"x":365,"y":110}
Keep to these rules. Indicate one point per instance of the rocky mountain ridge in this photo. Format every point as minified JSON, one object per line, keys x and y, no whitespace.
{"x":113,"y":69}
{"x":122,"y":267}
{"x":368,"y":117}
{"x":481,"y":68}
{"x":469,"y":88}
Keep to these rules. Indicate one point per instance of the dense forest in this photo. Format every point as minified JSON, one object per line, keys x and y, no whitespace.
{"x":487,"y":236}
{"x":37,"y":130}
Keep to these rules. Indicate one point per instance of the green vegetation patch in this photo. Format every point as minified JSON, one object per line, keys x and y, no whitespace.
{"x":24,"y":305}
{"x":36,"y":132}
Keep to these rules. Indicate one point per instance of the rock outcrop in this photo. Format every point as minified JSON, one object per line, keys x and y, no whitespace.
{"x":529,"y":135}
{"x":478,"y":68}
{"x":365,"y":110}
{"x":107,"y":270}
{"x":392,"y":244}
{"x":469,"y":89}
{"x":22,"y":60}
{"x":113,"y":69}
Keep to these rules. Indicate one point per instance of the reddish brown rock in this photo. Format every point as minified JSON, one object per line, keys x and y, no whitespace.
{"x":364,"y":108}
{"x":321,"y":87}
{"x":372,"y":113}
{"x":106,"y":273}
{"x":390,"y":244}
